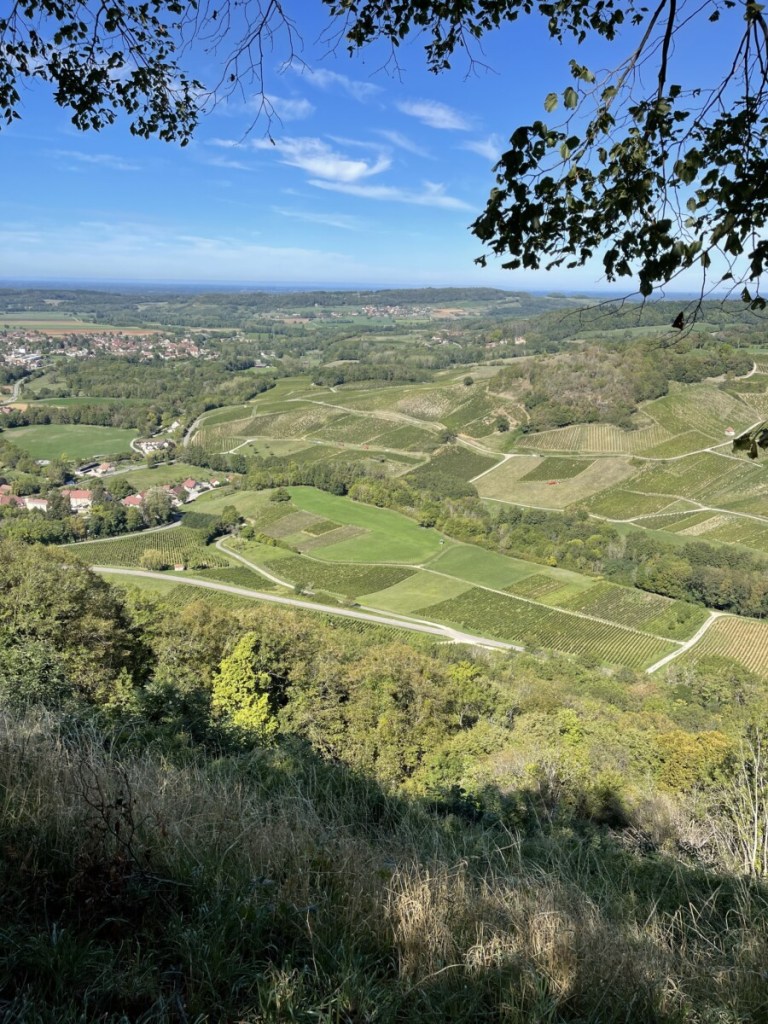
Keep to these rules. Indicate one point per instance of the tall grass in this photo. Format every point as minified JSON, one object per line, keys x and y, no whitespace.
{"x":143,"y":886}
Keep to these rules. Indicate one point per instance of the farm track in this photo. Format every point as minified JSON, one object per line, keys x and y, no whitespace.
{"x":687,"y":644}
{"x":252,"y":565}
{"x":479,"y":586}
{"x":683,"y":512}
{"x":189,"y":433}
{"x":414,"y":626}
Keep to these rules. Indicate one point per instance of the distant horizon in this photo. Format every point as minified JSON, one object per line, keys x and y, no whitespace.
{"x":85,"y":284}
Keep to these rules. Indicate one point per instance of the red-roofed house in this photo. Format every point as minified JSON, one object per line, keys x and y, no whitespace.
{"x":35,"y":501}
{"x":10,"y":499}
{"x":132,"y":501}
{"x":79,"y":500}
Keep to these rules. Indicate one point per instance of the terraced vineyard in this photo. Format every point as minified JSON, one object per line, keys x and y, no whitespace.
{"x":470,"y":416}
{"x":537,"y":587}
{"x":742,"y":640}
{"x":682,"y":444}
{"x":178,"y":546}
{"x":456,"y":462}
{"x":531,"y":625}
{"x":639,"y":610}
{"x":625,"y":504}
{"x":519,"y":479}
{"x":597,"y":438}
{"x":703,"y":476}
{"x":703,"y":405}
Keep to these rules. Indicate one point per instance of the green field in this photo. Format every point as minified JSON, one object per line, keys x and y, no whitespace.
{"x":166,"y":473}
{"x":87,"y":400}
{"x":557,"y":468}
{"x":389,"y":537}
{"x":346,"y":580}
{"x":490,"y":569}
{"x":373,"y":556}
{"x":76,"y":441}
{"x":415,"y":594}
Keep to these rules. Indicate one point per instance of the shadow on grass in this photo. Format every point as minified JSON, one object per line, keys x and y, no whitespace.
{"x":142,"y":884}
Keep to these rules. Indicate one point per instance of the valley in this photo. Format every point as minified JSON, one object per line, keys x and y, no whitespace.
{"x":414,"y":478}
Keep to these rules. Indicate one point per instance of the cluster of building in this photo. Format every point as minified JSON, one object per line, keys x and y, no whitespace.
{"x":181,"y":494}
{"x":24,"y":357}
{"x":81,"y":499}
{"x":26,"y":348}
{"x":412,"y":312}
{"x":154,"y":444}
{"x":28,"y":501}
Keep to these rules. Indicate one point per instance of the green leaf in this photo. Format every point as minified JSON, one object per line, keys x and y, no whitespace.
{"x":570,"y":98}
{"x":550,"y":103}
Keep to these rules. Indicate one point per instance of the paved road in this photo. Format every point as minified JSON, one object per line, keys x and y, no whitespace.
{"x":432,"y":628}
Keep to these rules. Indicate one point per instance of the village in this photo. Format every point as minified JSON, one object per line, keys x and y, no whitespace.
{"x":30,"y":348}
{"x":80,"y":501}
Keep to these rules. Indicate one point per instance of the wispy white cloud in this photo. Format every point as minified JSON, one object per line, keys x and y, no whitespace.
{"x":131,"y":249}
{"x":317,"y":158}
{"x":331,"y":220}
{"x":403,"y":142}
{"x":435,"y":115}
{"x":112,"y":163}
{"x":489,"y":148}
{"x":327,"y":80}
{"x":225,"y":143}
{"x":431,"y":194}
{"x":12,"y":236}
{"x":225,"y":163}
{"x":288,"y":109}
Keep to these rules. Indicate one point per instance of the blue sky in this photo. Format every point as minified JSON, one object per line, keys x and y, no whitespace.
{"x":367,"y":176}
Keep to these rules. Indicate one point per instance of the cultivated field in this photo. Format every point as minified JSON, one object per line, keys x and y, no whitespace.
{"x":76,"y":441}
{"x":595,"y":438}
{"x":521,"y":480}
{"x":742,"y":640}
{"x":533,"y":625}
{"x":178,"y":546}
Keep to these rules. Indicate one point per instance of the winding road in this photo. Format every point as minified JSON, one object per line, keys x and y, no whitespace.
{"x":432,"y":628}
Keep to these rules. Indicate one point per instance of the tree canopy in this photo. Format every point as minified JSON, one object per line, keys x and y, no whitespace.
{"x":636,"y":166}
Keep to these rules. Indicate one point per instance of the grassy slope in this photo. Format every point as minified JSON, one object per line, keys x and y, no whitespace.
{"x":273,"y":887}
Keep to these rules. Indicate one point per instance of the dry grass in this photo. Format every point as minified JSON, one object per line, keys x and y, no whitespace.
{"x":507,"y":483}
{"x":271,"y":887}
